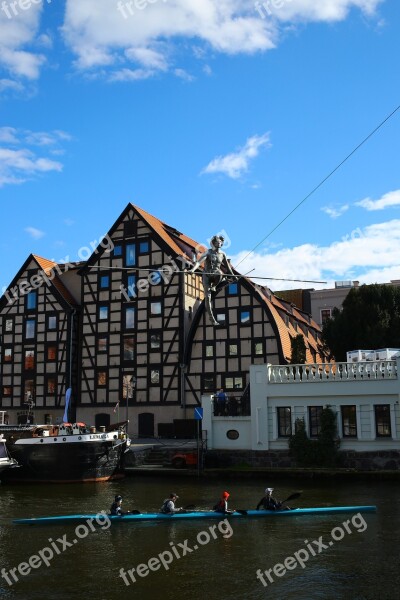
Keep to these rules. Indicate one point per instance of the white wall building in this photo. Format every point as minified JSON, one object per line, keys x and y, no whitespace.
{"x":364,"y":395}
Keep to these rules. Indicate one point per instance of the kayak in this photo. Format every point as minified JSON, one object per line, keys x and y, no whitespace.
{"x":102,"y":517}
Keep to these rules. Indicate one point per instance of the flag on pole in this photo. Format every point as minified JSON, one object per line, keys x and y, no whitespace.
{"x":67,"y":401}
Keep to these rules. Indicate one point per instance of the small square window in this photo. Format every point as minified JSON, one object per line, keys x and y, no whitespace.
{"x":31,"y":300}
{"x":208,"y":383}
{"x":144,"y":247}
{"x":221,"y":318}
{"x":155,"y":277}
{"x":117,"y":250}
{"x":155,"y":376}
{"x":51,"y":386}
{"x":102,"y":344}
{"x":130,"y":255}
{"x":51,"y":353}
{"x":30,"y":328}
{"x":155,"y":341}
{"x":129,"y":317}
{"x":232,"y":349}
{"x":245,"y":317}
{"x":102,"y":378}
{"x":209,"y":350}
{"x":155,"y":308}
{"x":8,"y":354}
{"x":7,"y":390}
{"x":29,"y":362}
{"x":258,"y":348}
{"x":104,"y":282}
{"x":51,"y":322}
{"x":233,"y":289}
{"x":103,"y":313}
{"x":129,"y":347}
{"x":9,"y":325}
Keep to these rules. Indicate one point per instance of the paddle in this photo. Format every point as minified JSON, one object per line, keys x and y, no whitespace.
{"x":291,"y":497}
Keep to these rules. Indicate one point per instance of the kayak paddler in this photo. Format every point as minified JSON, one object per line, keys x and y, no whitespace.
{"x":222,"y":504}
{"x":116,"y":507}
{"x":268,"y":502}
{"x":169,"y":507}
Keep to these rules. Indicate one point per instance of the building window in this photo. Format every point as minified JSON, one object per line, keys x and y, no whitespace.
{"x":208,"y":383}
{"x":155,"y":277}
{"x":131,"y":286}
{"x":29,"y":362}
{"x":349,"y":421}
{"x":155,"y":376}
{"x":51,"y":386}
{"x":30,"y":329}
{"x":130,"y":255}
{"x":7,"y":390}
{"x":326,"y":314}
{"x":233,"y":383}
{"x":51,"y":353}
{"x":102,"y":344}
{"x":103,"y":313}
{"x":284,"y":421}
{"x":104,"y":282}
{"x":232,"y":349}
{"x":9,"y":325}
{"x":101,"y":378}
{"x":221,"y":318}
{"x":29,"y":386}
{"x":258,"y":348}
{"x":8,"y":355}
{"x":129,"y":347}
{"x":155,"y":341}
{"x":314,"y":417}
{"x":382,"y":420}
{"x":232,"y":289}
{"x":209,"y":350}
{"x":31,"y":301}
{"x":155,"y":308}
{"x":117,"y":250}
{"x":244,"y":316}
{"x":144,"y":247}
{"x":51,"y":322}
{"x":129,"y":317}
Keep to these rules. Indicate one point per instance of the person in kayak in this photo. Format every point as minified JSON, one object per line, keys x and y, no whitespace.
{"x":169,"y":507}
{"x":116,"y":507}
{"x":222,"y":505}
{"x":268,"y":502}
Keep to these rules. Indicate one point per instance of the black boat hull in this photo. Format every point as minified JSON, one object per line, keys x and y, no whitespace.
{"x":66,"y":463}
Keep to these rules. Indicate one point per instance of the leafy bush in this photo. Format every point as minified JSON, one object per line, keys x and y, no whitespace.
{"x":322,"y":452}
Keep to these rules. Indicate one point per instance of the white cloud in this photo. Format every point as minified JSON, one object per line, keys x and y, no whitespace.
{"x":388,"y":200}
{"x":19,"y":162}
{"x":235,"y":164}
{"x":35,"y":233}
{"x":106,"y":38}
{"x":182,"y":74}
{"x":17,"y":34}
{"x":334,"y":212}
{"x":369,"y":255}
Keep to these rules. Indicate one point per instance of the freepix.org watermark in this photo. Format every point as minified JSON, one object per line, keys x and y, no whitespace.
{"x":129,"y":9}
{"x":55,"y":548}
{"x":177,"y":551}
{"x":29,"y":285}
{"x":13,"y":9}
{"x":267,"y":9}
{"x":313,"y":548}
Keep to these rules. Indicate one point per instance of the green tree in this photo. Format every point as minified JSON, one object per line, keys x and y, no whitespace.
{"x":370,"y":318}
{"x":322,"y":452}
{"x":298,"y":350}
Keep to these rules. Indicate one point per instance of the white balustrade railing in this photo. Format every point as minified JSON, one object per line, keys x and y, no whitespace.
{"x":342,"y":371}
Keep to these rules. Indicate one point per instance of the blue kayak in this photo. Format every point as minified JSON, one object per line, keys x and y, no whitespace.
{"x":242,"y":514}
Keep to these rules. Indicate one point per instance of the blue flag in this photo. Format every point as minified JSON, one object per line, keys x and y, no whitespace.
{"x":67,"y":401}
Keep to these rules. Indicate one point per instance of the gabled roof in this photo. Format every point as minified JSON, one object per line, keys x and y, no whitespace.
{"x":49,"y":267}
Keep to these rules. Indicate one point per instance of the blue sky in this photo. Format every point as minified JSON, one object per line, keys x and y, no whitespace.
{"x":211,"y":115}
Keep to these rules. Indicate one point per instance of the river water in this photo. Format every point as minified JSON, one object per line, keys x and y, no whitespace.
{"x":362,"y":565}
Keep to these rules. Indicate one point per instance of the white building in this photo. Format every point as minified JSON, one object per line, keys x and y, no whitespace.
{"x":364,"y":395}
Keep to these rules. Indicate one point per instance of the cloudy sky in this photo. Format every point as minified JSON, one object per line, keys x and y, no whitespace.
{"x":213,"y":115}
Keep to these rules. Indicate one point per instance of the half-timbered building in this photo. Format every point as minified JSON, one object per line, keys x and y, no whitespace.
{"x":127,"y":330}
{"x":39,"y":329}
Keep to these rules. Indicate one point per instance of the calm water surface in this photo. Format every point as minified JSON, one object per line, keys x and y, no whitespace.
{"x":362,"y":566}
